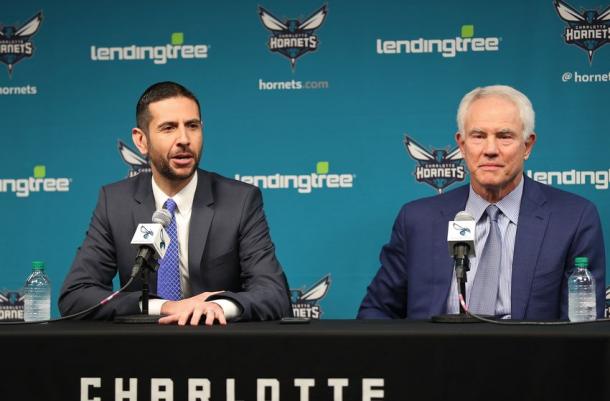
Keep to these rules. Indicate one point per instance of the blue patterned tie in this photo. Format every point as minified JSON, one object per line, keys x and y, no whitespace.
{"x":485,"y":286}
{"x":168,"y":278}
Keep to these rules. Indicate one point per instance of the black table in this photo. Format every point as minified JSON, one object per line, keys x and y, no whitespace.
{"x":325,"y":360}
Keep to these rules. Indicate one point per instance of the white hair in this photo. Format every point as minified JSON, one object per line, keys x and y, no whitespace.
{"x":523,"y":104}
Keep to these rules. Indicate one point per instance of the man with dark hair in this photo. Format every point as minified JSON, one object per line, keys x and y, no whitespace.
{"x":222,"y":265}
{"x":157,"y":92}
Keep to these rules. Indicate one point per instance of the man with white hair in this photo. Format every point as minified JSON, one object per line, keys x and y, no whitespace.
{"x":527,"y":233}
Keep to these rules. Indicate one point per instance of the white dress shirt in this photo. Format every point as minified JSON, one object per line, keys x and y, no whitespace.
{"x":184,"y":206}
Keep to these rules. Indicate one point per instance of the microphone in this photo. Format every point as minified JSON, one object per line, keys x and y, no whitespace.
{"x":460,"y":235}
{"x":460,"y":239}
{"x":152,"y":240}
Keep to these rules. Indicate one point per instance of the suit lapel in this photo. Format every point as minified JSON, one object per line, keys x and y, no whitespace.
{"x":533,"y":221}
{"x":143,"y":211}
{"x":443,"y":263}
{"x":201,"y":219}
{"x":145,"y":200}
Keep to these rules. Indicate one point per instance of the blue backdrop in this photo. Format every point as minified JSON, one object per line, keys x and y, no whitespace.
{"x":332,"y":89}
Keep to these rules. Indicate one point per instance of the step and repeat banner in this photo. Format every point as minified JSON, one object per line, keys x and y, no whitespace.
{"x":312,"y":101}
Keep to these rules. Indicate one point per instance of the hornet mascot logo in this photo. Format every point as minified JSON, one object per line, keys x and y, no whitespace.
{"x":438,"y":168}
{"x":292,"y":38}
{"x":463,"y":230}
{"x":588,"y":30}
{"x":11,"y":306}
{"x":305,"y":302}
{"x":15,"y":42}
{"x":136,"y":162}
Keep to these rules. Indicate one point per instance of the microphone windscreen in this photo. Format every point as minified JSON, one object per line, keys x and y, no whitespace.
{"x":162,"y":216}
{"x":463,"y":216}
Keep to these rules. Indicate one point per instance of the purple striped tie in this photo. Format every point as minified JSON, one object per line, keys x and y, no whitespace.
{"x":168,"y":278}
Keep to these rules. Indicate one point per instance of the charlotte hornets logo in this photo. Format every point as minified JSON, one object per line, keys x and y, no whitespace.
{"x":15,"y":42}
{"x":305,"y":302}
{"x":438,"y":168}
{"x":11,"y":306}
{"x":136,"y":162}
{"x":462,"y":230}
{"x":588,"y":30}
{"x":293,"y":38}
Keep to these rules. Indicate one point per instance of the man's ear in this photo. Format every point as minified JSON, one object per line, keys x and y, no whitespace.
{"x":459,"y":139}
{"x":140,"y":140}
{"x":529,"y":145}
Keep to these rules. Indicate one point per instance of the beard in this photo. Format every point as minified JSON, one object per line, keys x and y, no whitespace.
{"x":163,"y":167}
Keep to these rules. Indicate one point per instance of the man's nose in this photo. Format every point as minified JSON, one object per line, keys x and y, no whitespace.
{"x":183,"y":135}
{"x":491,"y":146}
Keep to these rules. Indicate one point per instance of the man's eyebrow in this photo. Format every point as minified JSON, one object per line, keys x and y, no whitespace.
{"x":167,"y":123}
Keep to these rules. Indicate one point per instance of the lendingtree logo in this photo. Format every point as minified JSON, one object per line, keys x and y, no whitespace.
{"x":450,"y":47}
{"x":159,"y":54}
{"x":38,"y":182}
{"x":303,"y":183}
{"x":600,"y":179}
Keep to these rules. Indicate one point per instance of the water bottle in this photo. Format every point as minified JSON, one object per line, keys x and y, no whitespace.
{"x":581,"y":293}
{"x":608,"y":302}
{"x":37,"y":303}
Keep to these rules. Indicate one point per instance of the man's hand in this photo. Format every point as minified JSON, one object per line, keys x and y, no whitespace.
{"x":193,"y":308}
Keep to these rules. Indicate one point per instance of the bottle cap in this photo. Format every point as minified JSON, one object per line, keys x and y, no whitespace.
{"x":581,"y":261}
{"x":38,"y":265}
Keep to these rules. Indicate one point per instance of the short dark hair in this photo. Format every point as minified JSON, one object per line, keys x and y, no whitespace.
{"x":156,"y":92}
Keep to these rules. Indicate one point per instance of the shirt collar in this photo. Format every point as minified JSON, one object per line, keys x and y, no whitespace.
{"x":183,"y":199}
{"x":509,"y":205}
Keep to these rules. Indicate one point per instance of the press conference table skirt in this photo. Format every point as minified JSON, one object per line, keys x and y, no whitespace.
{"x":322,"y":360}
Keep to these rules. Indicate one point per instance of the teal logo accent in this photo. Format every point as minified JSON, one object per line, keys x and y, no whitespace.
{"x":588,"y":30}
{"x":15,"y":42}
{"x":438,"y":168}
{"x":147,"y":232}
{"x":293,"y":38}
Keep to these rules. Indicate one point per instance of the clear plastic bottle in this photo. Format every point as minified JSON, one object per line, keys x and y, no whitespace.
{"x":581,"y":293}
{"x":37,"y":303}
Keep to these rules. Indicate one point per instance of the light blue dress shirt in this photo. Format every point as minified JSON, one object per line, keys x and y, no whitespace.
{"x":507,"y":221}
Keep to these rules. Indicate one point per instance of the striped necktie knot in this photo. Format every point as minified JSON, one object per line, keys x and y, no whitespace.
{"x":493,"y":212}
{"x":170,"y":205}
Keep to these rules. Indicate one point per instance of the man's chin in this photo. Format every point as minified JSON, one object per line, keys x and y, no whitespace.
{"x":183,"y":175}
{"x":178,"y":174}
{"x":490,"y":178}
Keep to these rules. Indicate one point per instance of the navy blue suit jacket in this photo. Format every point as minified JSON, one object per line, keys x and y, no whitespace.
{"x":554,"y":227}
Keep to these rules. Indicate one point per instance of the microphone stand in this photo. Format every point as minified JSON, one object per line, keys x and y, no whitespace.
{"x":145,"y":262}
{"x":144,"y":277}
{"x":461,"y":266}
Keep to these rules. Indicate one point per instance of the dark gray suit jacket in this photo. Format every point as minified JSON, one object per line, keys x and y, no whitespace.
{"x":229,"y":249}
